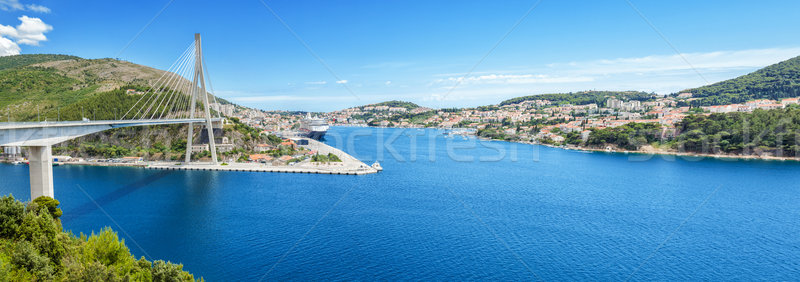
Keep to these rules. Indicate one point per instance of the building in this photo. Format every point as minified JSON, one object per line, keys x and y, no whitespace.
{"x":263,"y":147}
{"x":289,"y":143}
{"x":12,"y":152}
{"x":770,"y":106}
{"x":790,"y":101}
{"x":614,"y":103}
{"x":261,"y":158}
{"x":199,"y":148}
{"x":224,"y":147}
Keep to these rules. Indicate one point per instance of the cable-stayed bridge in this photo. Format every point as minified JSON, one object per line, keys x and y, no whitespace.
{"x":179,"y":96}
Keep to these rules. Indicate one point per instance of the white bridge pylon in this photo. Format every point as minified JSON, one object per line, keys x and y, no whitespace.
{"x":171,"y":99}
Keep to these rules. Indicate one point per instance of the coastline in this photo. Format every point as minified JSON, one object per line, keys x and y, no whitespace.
{"x":654,"y":152}
{"x":673,"y":153}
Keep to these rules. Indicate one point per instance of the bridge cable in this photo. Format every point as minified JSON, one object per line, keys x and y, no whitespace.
{"x":213,"y":93}
{"x":153,"y":85}
{"x":169,"y":109}
{"x":160,"y":88}
{"x":159,"y":94}
{"x":164,"y":93}
{"x":162,"y":75}
{"x":170,"y":92}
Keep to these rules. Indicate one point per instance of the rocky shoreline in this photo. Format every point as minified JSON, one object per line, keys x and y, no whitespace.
{"x":656,"y":152}
{"x":659,"y":152}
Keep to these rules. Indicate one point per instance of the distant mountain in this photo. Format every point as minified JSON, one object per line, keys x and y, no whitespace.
{"x":584,"y":97}
{"x":781,"y":80}
{"x":69,"y":87}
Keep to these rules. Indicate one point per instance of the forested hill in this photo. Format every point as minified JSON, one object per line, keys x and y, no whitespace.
{"x":781,"y":80}
{"x":583,"y":98}
{"x":399,"y":104}
{"x":60,"y":86}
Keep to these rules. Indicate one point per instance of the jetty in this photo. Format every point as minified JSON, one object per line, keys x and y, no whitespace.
{"x":349,"y":165}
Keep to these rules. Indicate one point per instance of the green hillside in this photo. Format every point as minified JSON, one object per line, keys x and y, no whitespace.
{"x":781,"y":80}
{"x":8,"y":62}
{"x":583,"y":98}
{"x":48,"y":87}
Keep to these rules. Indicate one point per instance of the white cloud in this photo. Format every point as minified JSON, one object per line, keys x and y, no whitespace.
{"x":388,"y":82}
{"x":660,"y":73}
{"x":316,"y":82}
{"x":8,"y":47}
{"x":29,"y":32}
{"x":656,"y":73}
{"x":15,"y":5}
{"x":709,"y":61}
{"x":514,"y":79}
{"x":38,"y":8}
{"x":343,"y":81}
{"x":287,"y":98}
{"x":11,"y":5}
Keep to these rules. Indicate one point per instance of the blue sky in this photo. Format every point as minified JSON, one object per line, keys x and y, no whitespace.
{"x":434,"y":53}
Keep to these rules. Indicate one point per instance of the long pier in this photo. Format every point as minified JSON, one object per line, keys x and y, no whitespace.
{"x":254,"y":167}
{"x":349,"y":165}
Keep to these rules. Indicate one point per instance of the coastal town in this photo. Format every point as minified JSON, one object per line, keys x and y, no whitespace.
{"x":546,"y":121}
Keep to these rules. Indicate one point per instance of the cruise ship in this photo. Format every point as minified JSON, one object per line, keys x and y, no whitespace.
{"x":313,"y":127}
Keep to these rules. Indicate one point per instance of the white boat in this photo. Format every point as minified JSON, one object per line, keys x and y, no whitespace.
{"x":314,"y":127}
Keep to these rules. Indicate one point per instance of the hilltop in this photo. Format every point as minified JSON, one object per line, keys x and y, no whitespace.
{"x":781,"y":80}
{"x":54,"y":85}
{"x":8,"y":62}
{"x":395,"y":104}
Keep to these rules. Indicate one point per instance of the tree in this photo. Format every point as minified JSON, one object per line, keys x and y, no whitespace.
{"x":50,"y":204}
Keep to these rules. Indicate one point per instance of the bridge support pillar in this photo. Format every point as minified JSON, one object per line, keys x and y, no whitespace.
{"x":41,"y":171}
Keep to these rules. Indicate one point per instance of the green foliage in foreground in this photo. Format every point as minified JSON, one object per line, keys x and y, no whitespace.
{"x":33,"y":247}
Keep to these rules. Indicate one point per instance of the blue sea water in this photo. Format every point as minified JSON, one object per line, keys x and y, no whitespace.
{"x":451,"y":209}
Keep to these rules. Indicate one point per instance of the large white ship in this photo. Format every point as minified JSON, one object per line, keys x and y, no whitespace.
{"x":313,"y":127}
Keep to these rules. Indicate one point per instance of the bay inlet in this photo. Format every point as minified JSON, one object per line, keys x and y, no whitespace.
{"x":451,"y":209}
